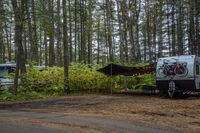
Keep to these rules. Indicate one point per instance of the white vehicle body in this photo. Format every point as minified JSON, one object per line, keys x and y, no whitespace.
{"x":181,"y":72}
{"x":5,"y":69}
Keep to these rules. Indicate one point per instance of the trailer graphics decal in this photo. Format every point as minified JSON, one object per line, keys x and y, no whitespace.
{"x":172,"y":67}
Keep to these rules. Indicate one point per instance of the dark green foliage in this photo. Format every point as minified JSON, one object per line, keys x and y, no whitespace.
{"x":47,"y":81}
{"x":147,"y":79}
{"x":40,"y":83}
{"x":6,"y":95}
{"x":85,"y":78}
{"x":82,"y":79}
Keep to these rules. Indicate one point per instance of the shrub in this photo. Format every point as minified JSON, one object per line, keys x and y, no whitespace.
{"x":82,"y":79}
{"x":39,"y":83}
{"x":46,"y":81}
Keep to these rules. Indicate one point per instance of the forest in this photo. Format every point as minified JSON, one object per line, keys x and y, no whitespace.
{"x":86,"y":34}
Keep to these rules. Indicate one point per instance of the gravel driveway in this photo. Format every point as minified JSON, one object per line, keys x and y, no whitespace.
{"x":32,"y":122}
{"x":102,"y":113}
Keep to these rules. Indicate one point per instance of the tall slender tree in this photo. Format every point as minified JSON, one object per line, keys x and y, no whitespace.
{"x":70,"y":32}
{"x":180,"y":28}
{"x":59,"y":35}
{"x":51,"y":33}
{"x":19,"y":16}
{"x":1,"y":32}
{"x":65,"y":48}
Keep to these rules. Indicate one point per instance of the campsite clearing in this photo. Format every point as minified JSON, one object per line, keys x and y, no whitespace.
{"x":170,"y":115}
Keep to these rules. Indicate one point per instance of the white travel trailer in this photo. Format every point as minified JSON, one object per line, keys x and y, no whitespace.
{"x":178,"y":74}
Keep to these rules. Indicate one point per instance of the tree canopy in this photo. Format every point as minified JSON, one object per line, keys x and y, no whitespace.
{"x":97,"y":31}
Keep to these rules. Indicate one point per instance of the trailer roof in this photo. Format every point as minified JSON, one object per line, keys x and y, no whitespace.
{"x":183,"y":56}
{"x":7,"y":65}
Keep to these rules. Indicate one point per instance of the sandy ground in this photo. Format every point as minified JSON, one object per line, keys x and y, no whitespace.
{"x":172,"y":115}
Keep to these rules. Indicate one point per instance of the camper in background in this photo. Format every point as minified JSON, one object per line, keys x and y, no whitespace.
{"x":5,"y":69}
{"x":178,"y":74}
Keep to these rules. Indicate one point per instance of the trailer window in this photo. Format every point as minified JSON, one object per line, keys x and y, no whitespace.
{"x":197,"y":69}
{"x":11,"y":70}
{"x":3,"y":71}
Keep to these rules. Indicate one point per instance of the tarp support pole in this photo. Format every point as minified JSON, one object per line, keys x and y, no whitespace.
{"x":125,"y":82}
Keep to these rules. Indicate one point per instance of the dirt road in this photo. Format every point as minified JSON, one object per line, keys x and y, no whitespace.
{"x":52,"y":122}
{"x":102,"y":113}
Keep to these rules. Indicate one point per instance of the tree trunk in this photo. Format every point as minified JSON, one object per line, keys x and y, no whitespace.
{"x":40,"y":48}
{"x":145,"y":44}
{"x":65,"y":49}
{"x":180,"y":29}
{"x":75,"y":31}
{"x":197,"y":23}
{"x":125,"y":27}
{"x":59,"y":36}
{"x":30,"y":33}
{"x":19,"y":17}
{"x":168,"y":29}
{"x":173,"y":31}
{"x":35,"y":38}
{"x":98,"y":41}
{"x":121,"y":43}
{"x":137,"y":9}
{"x":191,"y":40}
{"x":1,"y":32}
{"x":8,"y":42}
{"x":89,"y":33}
{"x":83,"y":31}
{"x":51,"y":35}
{"x":148,"y":30}
{"x":25,"y":45}
{"x":160,"y":30}
{"x":46,"y":49}
{"x":70,"y":32}
{"x":109,"y":30}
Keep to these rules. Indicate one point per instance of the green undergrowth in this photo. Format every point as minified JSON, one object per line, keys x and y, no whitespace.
{"x":83,"y":79}
{"x":9,"y":96}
